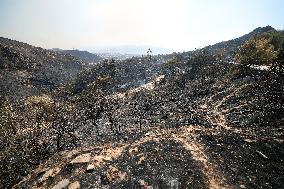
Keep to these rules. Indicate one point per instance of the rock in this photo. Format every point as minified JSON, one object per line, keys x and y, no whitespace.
{"x":141,"y":159}
{"x":99,"y":159}
{"x":249,"y":140}
{"x":107,"y":158}
{"x":74,"y":185}
{"x":90,"y":168}
{"x":132,"y":151}
{"x":114,"y":174}
{"x":83,"y":158}
{"x":142,"y":183}
{"x":62,"y":184}
{"x":50,"y":173}
{"x":125,"y":138}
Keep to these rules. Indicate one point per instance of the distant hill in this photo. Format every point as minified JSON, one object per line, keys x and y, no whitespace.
{"x":83,"y":55}
{"x":28,"y":70}
{"x":133,"y":50}
{"x":117,"y":56}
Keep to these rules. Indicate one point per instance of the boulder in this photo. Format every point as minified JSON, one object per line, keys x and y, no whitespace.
{"x":83,"y":158}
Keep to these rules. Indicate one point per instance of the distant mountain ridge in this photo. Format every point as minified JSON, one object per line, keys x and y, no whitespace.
{"x":133,"y":50}
{"x":83,"y":55}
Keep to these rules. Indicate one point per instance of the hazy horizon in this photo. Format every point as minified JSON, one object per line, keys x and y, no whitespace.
{"x":179,"y":25}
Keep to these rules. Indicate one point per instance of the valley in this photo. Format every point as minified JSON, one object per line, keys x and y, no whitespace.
{"x":183,"y":120}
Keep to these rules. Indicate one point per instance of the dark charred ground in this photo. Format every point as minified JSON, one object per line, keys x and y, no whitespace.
{"x":239,"y":157}
{"x":178,"y":131}
{"x":160,"y":157}
{"x":191,"y":121}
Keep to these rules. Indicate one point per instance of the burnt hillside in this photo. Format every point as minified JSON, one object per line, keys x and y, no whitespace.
{"x":27,"y":70}
{"x":188,"y":119}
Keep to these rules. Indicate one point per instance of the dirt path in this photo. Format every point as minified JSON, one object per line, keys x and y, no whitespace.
{"x":189,"y":142}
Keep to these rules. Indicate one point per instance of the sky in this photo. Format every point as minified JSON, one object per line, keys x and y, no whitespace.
{"x":178,"y":25}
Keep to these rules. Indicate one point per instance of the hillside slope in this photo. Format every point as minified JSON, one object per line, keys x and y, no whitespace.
{"x":186,"y":120}
{"x":230,"y":47}
{"x":27,"y":70}
{"x":162,"y":134}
